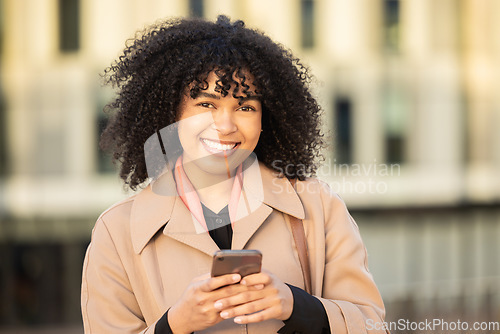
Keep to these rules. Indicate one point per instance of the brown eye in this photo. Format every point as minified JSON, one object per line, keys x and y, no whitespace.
{"x":205,"y":105}
{"x":247,"y":108}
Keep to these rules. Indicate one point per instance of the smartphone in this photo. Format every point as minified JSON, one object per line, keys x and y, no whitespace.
{"x":243,"y":262}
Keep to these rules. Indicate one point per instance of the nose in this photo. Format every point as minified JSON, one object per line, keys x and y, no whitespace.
{"x":224,"y":122}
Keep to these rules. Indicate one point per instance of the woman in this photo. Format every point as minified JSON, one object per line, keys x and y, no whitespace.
{"x":218,"y":118}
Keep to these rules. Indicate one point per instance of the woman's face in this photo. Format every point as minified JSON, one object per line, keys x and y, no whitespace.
{"x":218,"y":133}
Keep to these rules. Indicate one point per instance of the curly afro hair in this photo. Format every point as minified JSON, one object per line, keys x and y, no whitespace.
{"x":157,"y":67}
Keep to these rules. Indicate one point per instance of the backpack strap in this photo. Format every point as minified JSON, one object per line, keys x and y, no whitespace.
{"x":299,"y":237}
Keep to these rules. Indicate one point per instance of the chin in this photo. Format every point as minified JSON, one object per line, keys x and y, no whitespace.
{"x":219,"y":165}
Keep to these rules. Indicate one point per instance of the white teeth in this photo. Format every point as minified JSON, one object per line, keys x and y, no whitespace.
{"x":218,"y":146}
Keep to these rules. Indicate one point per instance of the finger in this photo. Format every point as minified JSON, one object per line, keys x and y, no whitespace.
{"x":239,"y":298}
{"x":265,"y":314}
{"x":255,"y":279}
{"x":246,"y":308}
{"x":258,"y":286}
{"x":214,"y":283}
{"x":220,"y":295}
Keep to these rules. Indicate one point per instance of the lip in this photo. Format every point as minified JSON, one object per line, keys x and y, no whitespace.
{"x":220,"y":153}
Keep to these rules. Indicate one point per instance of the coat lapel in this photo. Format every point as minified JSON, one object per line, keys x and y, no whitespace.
{"x":262,"y":192}
{"x":158,"y":205}
{"x":184,"y":228}
{"x":246,"y":227}
{"x":150,"y":212}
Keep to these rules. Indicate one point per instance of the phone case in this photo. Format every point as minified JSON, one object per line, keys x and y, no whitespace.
{"x":243,"y":262}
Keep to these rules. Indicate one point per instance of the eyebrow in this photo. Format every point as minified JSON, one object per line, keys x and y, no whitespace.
{"x":217,"y":96}
{"x":208,"y":95}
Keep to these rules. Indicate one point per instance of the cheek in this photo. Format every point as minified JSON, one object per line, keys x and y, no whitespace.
{"x":187,"y":133}
{"x":191,"y":127}
{"x":253,"y":130}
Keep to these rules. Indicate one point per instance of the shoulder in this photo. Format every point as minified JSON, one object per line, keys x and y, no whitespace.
{"x":116,"y":220}
{"x":320,"y":201}
{"x":112,"y":231}
{"x":318,"y":190}
{"x":119,"y":211}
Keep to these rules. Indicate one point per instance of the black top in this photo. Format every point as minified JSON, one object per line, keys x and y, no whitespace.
{"x":308,"y":315}
{"x":219,"y":226}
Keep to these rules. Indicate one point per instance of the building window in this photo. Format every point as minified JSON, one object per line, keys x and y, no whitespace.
{"x":69,"y":25}
{"x":307,"y":31}
{"x":196,"y":8}
{"x":395,"y":124}
{"x":104,"y":159}
{"x":343,"y":130}
{"x":391,"y":29}
{"x":39,"y":281}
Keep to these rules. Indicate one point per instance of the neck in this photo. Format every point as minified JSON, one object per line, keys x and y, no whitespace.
{"x":214,"y":190}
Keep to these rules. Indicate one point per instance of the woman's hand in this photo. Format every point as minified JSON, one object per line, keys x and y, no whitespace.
{"x":195,"y":309}
{"x":267,"y":297}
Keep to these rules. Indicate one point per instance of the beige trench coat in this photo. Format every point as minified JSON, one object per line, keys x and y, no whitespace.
{"x":145,"y":251}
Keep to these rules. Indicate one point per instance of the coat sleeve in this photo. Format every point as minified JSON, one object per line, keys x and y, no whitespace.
{"x":349,"y":294}
{"x":107,"y":300}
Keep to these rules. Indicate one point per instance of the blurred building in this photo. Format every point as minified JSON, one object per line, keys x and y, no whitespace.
{"x":409,"y":93}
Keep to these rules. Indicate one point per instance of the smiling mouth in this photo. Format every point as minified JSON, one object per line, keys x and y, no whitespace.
{"x":219,"y":146}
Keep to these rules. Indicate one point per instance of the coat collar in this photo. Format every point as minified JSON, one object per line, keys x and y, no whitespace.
{"x":158,"y":205}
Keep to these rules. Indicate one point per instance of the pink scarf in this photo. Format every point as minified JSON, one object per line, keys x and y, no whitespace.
{"x":190,"y":197}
